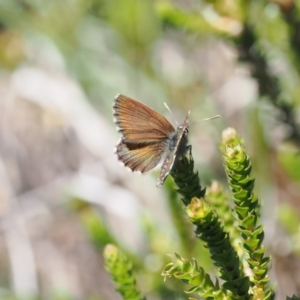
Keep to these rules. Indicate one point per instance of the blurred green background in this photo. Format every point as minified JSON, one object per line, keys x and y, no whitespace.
{"x":63,"y":195}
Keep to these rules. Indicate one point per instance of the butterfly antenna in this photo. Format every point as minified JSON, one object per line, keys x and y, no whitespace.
{"x":211,"y":118}
{"x":170,"y":112}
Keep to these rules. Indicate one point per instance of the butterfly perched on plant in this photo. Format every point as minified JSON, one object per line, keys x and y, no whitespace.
{"x":148,"y":140}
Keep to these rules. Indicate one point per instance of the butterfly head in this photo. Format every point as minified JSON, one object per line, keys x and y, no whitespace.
{"x":185,"y":125}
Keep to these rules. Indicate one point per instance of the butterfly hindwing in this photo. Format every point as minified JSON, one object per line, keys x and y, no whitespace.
{"x":140,"y":158}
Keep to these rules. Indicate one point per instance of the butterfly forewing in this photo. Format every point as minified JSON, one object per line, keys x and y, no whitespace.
{"x":139,"y":123}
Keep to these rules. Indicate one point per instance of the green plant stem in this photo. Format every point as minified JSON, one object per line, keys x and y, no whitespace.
{"x":238,"y":169}
{"x":120,"y":268}
{"x":209,"y":228}
{"x":190,"y":273}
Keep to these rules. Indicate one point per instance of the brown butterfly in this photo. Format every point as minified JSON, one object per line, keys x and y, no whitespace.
{"x":148,"y":139}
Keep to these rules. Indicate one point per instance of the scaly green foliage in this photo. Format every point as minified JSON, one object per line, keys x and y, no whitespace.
{"x":190,"y":273}
{"x":187,"y":181}
{"x":209,"y":228}
{"x":120,"y":268}
{"x":217,"y":197}
{"x":238,"y":169}
{"x":243,"y":276}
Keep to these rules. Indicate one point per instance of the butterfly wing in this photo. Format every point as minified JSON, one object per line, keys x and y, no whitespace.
{"x":139,"y":123}
{"x":142,"y":158}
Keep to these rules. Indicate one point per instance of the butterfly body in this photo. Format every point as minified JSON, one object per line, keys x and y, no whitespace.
{"x":148,"y":139}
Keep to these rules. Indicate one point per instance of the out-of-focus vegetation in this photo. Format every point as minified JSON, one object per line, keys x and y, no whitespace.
{"x":63,"y":195}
